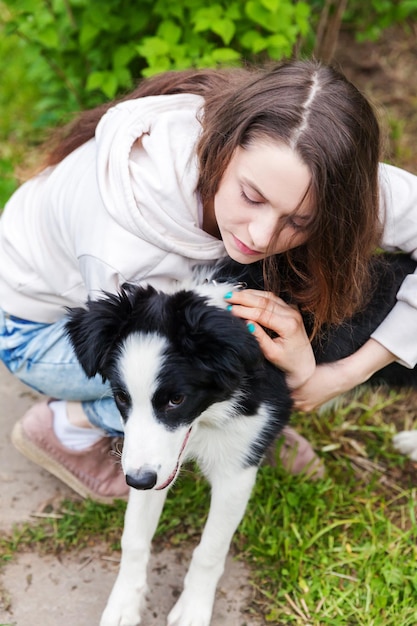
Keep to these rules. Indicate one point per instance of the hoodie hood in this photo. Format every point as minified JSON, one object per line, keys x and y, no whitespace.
{"x":147,"y":172}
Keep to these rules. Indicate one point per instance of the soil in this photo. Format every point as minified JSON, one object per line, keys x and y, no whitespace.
{"x":386,"y":73}
{"x":45,"y":589}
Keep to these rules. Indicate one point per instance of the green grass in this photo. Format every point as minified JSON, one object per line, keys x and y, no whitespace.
{"x":340,"y":551}
{"x":334,"y":556}
{"x":8,"y":182}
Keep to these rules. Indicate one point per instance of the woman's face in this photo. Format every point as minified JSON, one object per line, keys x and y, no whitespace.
{"x":262,"y":190}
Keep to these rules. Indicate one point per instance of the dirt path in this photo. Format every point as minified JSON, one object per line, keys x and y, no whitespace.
{"x":49,"y":590}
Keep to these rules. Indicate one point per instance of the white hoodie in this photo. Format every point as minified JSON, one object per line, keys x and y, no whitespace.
{"x":114,"y":210}
{"x":123,"y":208}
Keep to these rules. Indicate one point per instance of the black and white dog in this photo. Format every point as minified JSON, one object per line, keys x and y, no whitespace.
{"x":190,"y":382}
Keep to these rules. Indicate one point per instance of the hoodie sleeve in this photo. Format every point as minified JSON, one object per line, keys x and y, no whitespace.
{"x":398,"y":332}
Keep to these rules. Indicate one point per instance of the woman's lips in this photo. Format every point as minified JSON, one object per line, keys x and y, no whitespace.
{"x":244,"y":248}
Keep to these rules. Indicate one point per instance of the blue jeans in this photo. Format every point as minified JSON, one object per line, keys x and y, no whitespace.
{"x":41,"y":356}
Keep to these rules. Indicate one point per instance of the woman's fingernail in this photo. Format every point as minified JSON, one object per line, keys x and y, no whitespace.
{"x":251,"y":327}
{"x":229,"y":307}
{"x":228,"y":295}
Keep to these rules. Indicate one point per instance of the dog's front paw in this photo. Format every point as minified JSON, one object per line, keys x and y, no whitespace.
{"x":186,"y":612}
{"x":124,"y":617}
{"x":122,"y":610}
{"x":406,"y":443}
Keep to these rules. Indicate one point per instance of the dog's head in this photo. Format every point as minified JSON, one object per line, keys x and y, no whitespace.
{"x":168,"y":358}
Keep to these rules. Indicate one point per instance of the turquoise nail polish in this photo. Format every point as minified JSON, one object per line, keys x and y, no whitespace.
{"x":251,"y":327}
{"x":229,"y":307}
{"x":228,"y":295}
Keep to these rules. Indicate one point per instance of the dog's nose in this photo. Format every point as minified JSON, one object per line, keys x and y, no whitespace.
{"x":143,"y":478}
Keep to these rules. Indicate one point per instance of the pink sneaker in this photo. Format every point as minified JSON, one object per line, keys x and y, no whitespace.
{"x":297,"y":455}
{"x":92,"y":473}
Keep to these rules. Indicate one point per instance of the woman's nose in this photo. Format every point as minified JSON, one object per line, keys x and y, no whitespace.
{"x":262,"y":231}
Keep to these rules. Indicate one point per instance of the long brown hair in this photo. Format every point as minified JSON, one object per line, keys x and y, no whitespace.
{"x":313,"y":109}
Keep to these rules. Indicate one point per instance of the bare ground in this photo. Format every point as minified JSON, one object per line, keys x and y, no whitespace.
{"x":386,"y":73}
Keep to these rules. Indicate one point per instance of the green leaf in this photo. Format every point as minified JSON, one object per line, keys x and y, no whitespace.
{"x":302,"y":10}
{"x":123,"y":76}
{"x":253,"y":41}
{"x":261,"y":16}
{"x":105,"y":81}
{"x":204,"y":18}
{"x":49,"y":37}
{"x":99,"y":15}
{"x":168,"y":7}
{"x":152,"y":46}
{"x":169,"y":31}
{"x":271,"y":5}
{"x":233,"y":11}
{"x":225,"y":55}
{"x":88,"y":33}
{"x":94,"y":81}
{"x":283,"y":21}
{"x":123,"y":55}
{"x":161,"y":65}
{"x":302,"y":16}
{"x":225,"y":29}
{"x":279,"y":42}
{"x":109,"y":84}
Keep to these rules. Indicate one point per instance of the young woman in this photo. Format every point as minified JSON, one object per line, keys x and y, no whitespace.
{"x":274,"y":164}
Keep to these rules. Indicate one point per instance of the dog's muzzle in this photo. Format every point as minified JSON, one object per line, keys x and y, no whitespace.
{"x":147,"y":476}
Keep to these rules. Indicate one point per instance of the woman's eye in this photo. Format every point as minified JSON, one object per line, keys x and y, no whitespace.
{"x":295,"y":224}
{"x":249,"y":200}
{"x":121,"y":398}
{"x":176,"y":400}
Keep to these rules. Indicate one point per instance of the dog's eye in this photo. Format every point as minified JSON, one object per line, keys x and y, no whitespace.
{"x":176,"y":400}
{"x":121,"y":398}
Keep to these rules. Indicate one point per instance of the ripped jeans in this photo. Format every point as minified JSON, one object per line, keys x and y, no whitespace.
{"x":41,"y":356}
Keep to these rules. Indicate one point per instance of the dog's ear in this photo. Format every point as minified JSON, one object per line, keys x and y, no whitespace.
{"x":94,"y":330}
{"x":220,"y":343}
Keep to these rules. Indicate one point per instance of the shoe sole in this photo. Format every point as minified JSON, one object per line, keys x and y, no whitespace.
{"x":41,"y":458}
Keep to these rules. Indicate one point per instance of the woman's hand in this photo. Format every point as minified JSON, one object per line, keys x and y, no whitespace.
{"x":290,"y":350}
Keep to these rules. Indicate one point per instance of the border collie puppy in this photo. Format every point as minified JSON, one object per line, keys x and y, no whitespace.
{"x":190,"y":382}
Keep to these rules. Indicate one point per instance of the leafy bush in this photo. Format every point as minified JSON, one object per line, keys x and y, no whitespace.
{"x":371,"y":18}
{"x":66,"y":55}
{"x":60,"y":56}
{"x":84,"y":51}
